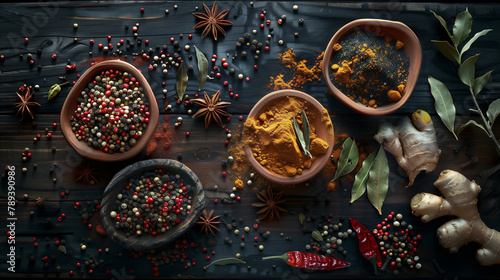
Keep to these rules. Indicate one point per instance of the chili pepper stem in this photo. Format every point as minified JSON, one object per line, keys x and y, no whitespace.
{"x":373,"y":261}
{"x":63,"y":84}
{"x":282,"y":257}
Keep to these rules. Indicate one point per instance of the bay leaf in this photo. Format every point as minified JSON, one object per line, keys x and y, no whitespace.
{"x":448,"y":50}
{"x":359,"y":186}
{"x":62,"y":248}
{"x":467,"y":71}
{"x":300,"y":137}
{"x":378,"y":182}
{"x":462,"y":27}
{"x":182,"y":80}
{"x":471,"y":122}
{"x":480,"y":82}
{"x":493,"y":111}
{"x":445,"y":25}
{"x":307,"y":130}
{"x":202,"y":68}
{"x":316,"y":235}
{"x":467,"y":45}
{"x":54,"y":91}
{"x":302,"y":218}
{"x":226,"y":261}
{"x":348,"y":158}
{"x":443,"y":102}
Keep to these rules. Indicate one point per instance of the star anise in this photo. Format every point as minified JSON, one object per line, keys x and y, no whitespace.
{"x":270,"y":204}
{"x":208,"y":222}
{"x":25,"y":103}
{"x":86,"y":174}
{"x":212,"y":21}
{"x":211,"y":108}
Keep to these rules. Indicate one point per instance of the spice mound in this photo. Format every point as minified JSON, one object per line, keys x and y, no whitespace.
{"x":152,"y":203}
{"x":370,"y":69}
{"x":273,"y":141}
{"x":112,"y":112}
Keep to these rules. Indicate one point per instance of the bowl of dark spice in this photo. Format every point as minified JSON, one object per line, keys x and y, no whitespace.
{"x":151,"y":203}
{"x":288,"y":137}
{"x":372,"y":65}
{"x":110,"y":113}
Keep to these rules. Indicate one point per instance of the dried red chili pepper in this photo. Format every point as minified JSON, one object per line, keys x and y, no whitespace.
{"x":311,"y":261}
{"x":367,"y":244}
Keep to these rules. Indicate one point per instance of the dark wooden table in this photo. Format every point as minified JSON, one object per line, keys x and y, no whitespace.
{"x":49,"y":27}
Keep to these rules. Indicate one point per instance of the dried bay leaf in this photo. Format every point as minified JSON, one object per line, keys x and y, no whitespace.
{"x":359,"y":186}
{"x":471,"y":122}
{"x":302,"y":218}
{"x":348,"y":158}
{"x":378,"y":182}
{"x":62,"y":248}
{"x":467,"y":71}
{"x":447,"y":50}
{"x":316,"y":235}
{"x":462,"y":27}
{"x":307,"y":130}
{"x":493,"y":111}
{"x":202,"y":68}
{"x":226,"y":261}
{"x":182,"y":80}
{"x":300,"y":137}
{"x":54,"y":91}
{"x":443,"y":23}
{"x":443,"y":102}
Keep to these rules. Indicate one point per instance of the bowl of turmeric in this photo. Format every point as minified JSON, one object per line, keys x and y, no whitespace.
{"x":289,"y":137}
{"x":372,"y":65}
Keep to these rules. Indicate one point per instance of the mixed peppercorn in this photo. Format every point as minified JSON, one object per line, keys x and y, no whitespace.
{"x":152,"y":204}
{"x":112,"y":112}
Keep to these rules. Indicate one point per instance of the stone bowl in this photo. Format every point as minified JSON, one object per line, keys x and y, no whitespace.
{"x":71,"y":102}
{"x":322,"y":131}
{"x":147,"y":241}
{"x":398,"y":31}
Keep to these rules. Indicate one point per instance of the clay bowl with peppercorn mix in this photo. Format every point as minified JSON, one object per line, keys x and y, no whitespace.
{"x":147,"y":241}
{"x":396,"y":30}
{"x":72,"y":100}
{"x":323,"y":129}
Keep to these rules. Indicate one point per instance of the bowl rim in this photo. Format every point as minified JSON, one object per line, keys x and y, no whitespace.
{"x":134,"y":242}
{"x":317,"y":165}
{"x":412,"y":79}
{"x":71,"y":100}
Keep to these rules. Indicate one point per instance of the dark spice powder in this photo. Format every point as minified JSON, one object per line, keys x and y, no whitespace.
{"x":370,"y":69}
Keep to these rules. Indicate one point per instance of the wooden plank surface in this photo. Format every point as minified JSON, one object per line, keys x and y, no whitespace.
{"x":204,"y":150}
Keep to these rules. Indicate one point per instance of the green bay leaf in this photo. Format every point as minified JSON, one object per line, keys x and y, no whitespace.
{"x":359,"y":186}
{"x":448,"y":50}
{"x":443,"y":23}
{"x":378,"y":182}
{"x":443,"y":102}
{"x":471,"y":122}
{"x":473,"y":39}
{"x":480,"y":82}
{"x":462,"y":27}
{"x":182,"y":80}
{"x":348,"y":158}
{"x":226,"y":261}
{"x":300,"y":137}
{"x":202,"y":68}
{"x":467,"y":71}
{"x":493,"y":110}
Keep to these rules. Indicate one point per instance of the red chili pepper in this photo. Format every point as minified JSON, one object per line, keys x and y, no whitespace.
{"x":367,"y":244}
{"x":311,"y":261}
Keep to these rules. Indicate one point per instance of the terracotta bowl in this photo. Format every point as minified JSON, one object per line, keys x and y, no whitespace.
{"x":147,"y":241}
{"x":69,"y":107}
{"x":398,"y":31}
{"x":321,"y":131}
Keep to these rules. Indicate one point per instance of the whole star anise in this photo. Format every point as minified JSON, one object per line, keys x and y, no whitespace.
{"x":212,"y":21}
{"x":211,"y":108}
{"x":25,"y":103}
{"x":208,"y":222}
{"x":86,"y":174}
{"x":270,"y":204}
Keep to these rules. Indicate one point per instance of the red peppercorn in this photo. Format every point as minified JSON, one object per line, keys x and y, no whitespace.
{"x":225,"y":64}
{"x":71,"y":273}
{"x":54,"y":56}
{"x":255,"y":239}
{"x":49,"y":135}
{"x":146,"y":42}
{"x":261,"y":25}
{"x":77,"y":204}
{"x":238,"y":198}
{"x":255,"y":67}
{"x":262,"y":16}
{"x":280,"y":21}
{"x":213,"y":252}
{"x":187,"y":133}
{"x":142,"y":10}
{"x":242,"y":237}
{"x":190,"y":36}
{"x":89,"y":226}
{"x":215,"y":201}
{"x":26,"y":40}
{"x":268,"y":22}
{"x":224,"y":173}
{"x":109,"y":37}
{"x":207,"y":258}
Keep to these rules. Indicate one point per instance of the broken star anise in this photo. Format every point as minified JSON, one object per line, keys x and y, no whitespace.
{"x":208,"y":222}
{"x":86,"y":174}
{"x":270,"y":204}
{"x":211,"y":108}
{"x":25,"y":103}
{"x":212,"y":21}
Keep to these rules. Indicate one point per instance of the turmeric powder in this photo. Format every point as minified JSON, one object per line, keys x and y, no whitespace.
{"x":370,"y":69}
{"x":272,"y":139}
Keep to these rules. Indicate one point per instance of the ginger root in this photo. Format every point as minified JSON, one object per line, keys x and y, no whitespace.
{"x":460,"y":199}
{"x":413,"y":145}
